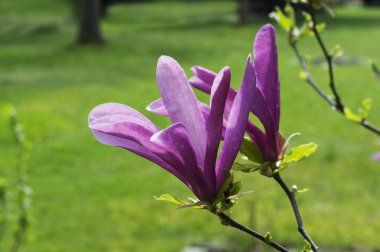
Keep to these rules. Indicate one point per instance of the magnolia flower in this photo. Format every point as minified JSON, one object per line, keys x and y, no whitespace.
{"x":265,"y":103}
{"x":188,"y":148}
{"x":376,"y":157}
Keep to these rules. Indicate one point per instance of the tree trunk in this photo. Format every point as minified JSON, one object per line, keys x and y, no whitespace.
{"x":89,"y":22}
{"x":372,"y":2}
{"x":243,"y":11}
{"x":265,"y":6}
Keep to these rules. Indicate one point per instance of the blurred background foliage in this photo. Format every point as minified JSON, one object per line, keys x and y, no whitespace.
{"x":89,"y":197}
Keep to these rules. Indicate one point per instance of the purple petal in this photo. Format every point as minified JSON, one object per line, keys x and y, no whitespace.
{"x":258,"y":137}
{"x":214,"y":122}
{"x":200,"y":84}
{"x":235,"y":129}
{"x":203,"y":81}
{"x":124,"y":127}
{"x":137,"y":149}
{"x":265,"y":52}
{"x":203,"y":78}
{"x":176,"y":149}
{"x":114,"y":109}
{"x":131,"y":133}
{"x":376,"y":157}
{"x":181,"y":103}
{"x":259,"y":108}
{"x":204,"y":74}
{"x":158,"y":107}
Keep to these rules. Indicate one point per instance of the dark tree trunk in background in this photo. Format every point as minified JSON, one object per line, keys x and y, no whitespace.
{"x":265,"y":6}
{"x":89,"y":22}
{"x":246,"y":8}
{"x":372,"y":2}
{"x":243,"y":11}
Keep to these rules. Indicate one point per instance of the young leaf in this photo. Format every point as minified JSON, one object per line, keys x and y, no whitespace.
{"x":248,"y":167}
{"x":268,"y":237}
{"x":351,"y":115}
{"x":250,"y":150}
{"x":364,"y":110}
{"x":337,"y":51}
{"x":171,"y":199}
{"x":303,"y":75}
{"x":303,"y":190}
{"x":239,"y":195}
{"x":286,"y":22}
{"x":321,"y":26}
{"x":307,"y":247}
{"x":296,"y":154}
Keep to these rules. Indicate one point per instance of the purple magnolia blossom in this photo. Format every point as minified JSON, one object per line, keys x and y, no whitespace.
{"x":376,"y":157}
{"x":266,"y":93}
{"x":188,"y":148}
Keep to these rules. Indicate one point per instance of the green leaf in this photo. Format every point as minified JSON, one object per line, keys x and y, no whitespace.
{"x":251,"y":151}
{"x":300,"y":152}
{"x":239,"y":195}
{"x":267,"y":170}
{"x":303,"y":75}
{"x":337,"y":51}
{"x":236,"y":187}
{"x":307,"y":247}
{"x":308,"y":18}
{"x":321,"y":26}
{"x":246,"y":167}
{"x":350,"y":115}
{"x":268,"y":237}
{"x":182,"y":204}
{"x":303,"y":190}
{"x":297,"y":191}
{"x":286,"y":22}
{"x":364,"y":110}
{"x":171,"y":199}
{"x":297,"y":154}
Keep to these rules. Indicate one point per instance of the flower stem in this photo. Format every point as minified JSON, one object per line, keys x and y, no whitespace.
{"x":297,"y":214}
{"x":226,"y":220}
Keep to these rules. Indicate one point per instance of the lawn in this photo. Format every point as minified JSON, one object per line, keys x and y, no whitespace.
{"x":90,"y":197}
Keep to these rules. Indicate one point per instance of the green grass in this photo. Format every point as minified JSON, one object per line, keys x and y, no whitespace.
{"x":90,"y":197}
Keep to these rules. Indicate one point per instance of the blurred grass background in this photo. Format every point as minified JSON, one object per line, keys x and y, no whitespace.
{"x":90,"y":197}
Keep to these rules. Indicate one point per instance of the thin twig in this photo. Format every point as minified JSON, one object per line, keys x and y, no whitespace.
{"x":370,"y":127}
{"x":323,"y":94}
{"x":309,"y":78}
{"x":339,"y":105}
{"x":226,"y":220}
{"x":297,"y":214}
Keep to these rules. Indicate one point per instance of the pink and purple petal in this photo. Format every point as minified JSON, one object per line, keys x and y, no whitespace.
{"x":137,"y":149}
{"x":259,"y":108}
{"x":158,"y":107}
{"x":127,"y":132}
{"x":214,"y":122}
{"x":176,"y":149}
{"x":115,"y":109}
{"x":200,"y":84}
{"x":203,"y":78}
{"x":376,"y":157}
{"x":235,"y":129}
{"x":266,"y":65}
{"x":181,"y":103}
